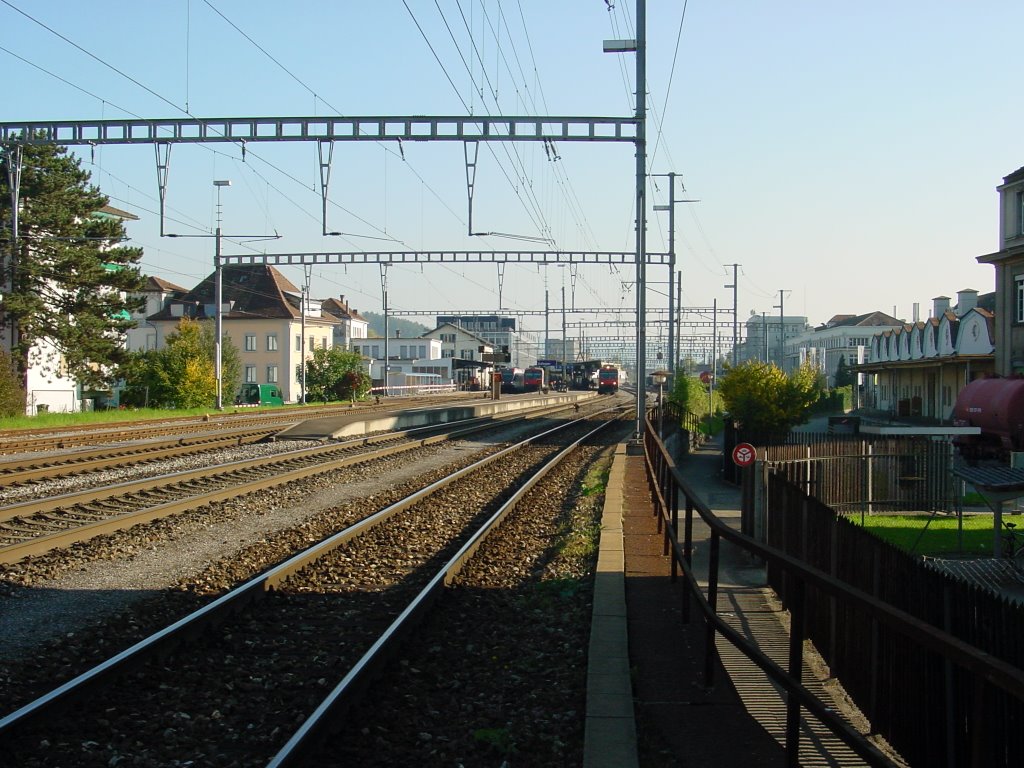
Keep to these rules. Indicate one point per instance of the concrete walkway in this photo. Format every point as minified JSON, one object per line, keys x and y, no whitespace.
{"x":662,"y":714}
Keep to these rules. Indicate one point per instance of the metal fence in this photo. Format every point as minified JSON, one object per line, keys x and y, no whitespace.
{"x":887,"y":475}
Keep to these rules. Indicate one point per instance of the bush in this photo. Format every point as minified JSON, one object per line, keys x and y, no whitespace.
{"x":12,"y":393}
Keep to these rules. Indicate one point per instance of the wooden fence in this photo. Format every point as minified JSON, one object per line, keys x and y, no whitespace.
{"x":934,"y":710}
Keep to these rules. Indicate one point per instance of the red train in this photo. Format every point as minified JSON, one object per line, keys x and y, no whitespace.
{"x":534,"y":379}
{"x":608,"y":380}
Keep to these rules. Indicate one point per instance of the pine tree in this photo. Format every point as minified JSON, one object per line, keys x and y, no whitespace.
{"x":68,"y":279}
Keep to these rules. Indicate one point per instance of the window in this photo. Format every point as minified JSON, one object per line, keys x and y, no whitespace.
{"x":1019,"y":314}
{"x":272,"y":374}
{"x":1020,"y":213}
{"x":447,"y":353}
{"x":271,"y":342}
{"x":323,"y":343}
{"x":312,"y":343}
{"x":298,"y":343}
{"x":423,"y":350}
{"x":250,"y":342}
{"x":250,"y":374}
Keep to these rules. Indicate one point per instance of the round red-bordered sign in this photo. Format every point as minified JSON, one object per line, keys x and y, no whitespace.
{"x":744,"y":454}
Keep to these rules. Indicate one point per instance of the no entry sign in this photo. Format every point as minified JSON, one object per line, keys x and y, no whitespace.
{"x":744,"y":454}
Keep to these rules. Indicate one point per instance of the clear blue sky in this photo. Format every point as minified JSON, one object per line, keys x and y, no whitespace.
{"x":846,"y":154}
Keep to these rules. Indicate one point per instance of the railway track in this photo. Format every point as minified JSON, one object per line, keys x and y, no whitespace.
{"x":63,"y":438}
{"x":40,"y":525}
{"x":29,"y":469}
{"x":296,"y":643}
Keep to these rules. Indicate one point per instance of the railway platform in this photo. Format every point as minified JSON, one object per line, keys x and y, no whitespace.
{"x":354,"y":424}
{"x":647,"y":704}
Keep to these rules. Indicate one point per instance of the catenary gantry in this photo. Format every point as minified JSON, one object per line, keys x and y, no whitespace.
{"x":471,"y":129}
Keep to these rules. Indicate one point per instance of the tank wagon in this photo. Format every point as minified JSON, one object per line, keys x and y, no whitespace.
{"x":996,"y":407}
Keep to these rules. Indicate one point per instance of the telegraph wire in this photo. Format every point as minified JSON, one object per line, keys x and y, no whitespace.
{"x":94,"y":56}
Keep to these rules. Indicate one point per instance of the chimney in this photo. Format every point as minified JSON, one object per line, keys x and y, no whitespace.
{"x":917,"y":311}
{"x":940,"y":304}
{"x":966,"y":300}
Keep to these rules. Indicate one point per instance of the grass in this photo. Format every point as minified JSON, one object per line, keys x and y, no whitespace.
{"x":941,"y":536}
{"x":112,"y":416}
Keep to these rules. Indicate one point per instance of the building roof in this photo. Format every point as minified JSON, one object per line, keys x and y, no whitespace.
{"x":460,"y":329}
{"x":256,"y":291}
{"x":117,"y":213}
{"x":1015,"y":176}
{"x":867,"y":320}
{"x":340,"y":309}
{"x":159,"y":285}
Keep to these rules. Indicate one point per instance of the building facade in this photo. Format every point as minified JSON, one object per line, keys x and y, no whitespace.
{"x":766,"y":337}
{"x":266,"y":319}
{"x":1009,"y":276}
{"x":844,"y":339}
{"x":501,"y":332}
{"x":157,"y":295}
{"x":917,"y":369}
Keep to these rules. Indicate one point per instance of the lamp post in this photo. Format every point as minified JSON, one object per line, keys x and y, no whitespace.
{"x":384,"y":292}
{"x":218,"y":300}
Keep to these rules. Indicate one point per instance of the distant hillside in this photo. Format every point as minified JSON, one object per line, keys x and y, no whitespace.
{"x":407,"y":327}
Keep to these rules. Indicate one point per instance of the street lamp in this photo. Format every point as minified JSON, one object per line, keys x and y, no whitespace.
{"x":659,"y":377}
{"x":218,"y":300}
{"x":384,"y":292}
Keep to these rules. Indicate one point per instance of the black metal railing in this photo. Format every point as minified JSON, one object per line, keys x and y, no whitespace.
{"x":990,"y":679}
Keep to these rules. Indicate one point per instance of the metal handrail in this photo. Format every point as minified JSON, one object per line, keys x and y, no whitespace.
{"x":670,"y":487}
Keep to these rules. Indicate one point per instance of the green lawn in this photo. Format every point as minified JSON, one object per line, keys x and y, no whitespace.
{"x":52,"y":420}
{"x":941,"y":537}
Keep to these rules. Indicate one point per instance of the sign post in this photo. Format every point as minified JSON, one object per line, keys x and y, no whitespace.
{"x":744,"y":454}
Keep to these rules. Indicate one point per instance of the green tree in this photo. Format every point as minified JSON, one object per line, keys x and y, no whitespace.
{"x":844,"y":376}
{"x":183,"y":373}
{"x":336,"y":374}
{"x":761,"y":398}
{"x":12,"y":394}
{"x":69,"y":279}
{"x":185,"y":369}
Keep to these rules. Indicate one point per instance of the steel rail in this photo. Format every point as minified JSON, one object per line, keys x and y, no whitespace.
{"x":234,"y":601}
{"x":25,"y":470}
{"x":39,"y":545}
{"x":343,"y":695}
{"x":12,"y":441}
